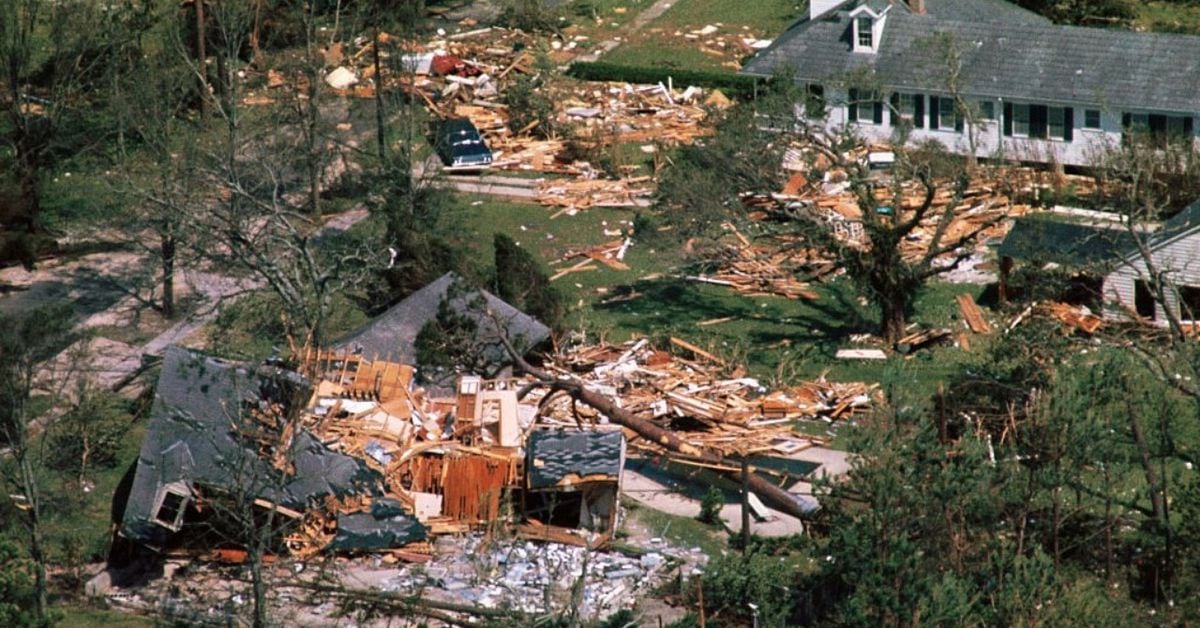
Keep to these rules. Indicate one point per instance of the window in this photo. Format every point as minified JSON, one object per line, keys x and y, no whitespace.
{"x":1020,"y":121}
{"x":172,"y":503}
{"x":987,"y":110}
{"x":1056,"y":120}
{"x":1159,"y":128}
{"x":947,"y":113}
{"x":814,"y":100}
{"x":907,"y":107}
{"x":1175,"y":127}
{"x":1143,"y":299}
{"x":1189,"y":303}
{"x":1091,"y":119}
{"x":864,"y":26}
{"x":865,"y":107}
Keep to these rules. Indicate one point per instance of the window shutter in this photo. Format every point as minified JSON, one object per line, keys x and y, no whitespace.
{"x":958,"y":119}
{"x":1008,"y":119}
{"x":919,"y":111}
{"x":1126,"y":121}
{"x":853,"y":104}
{"x":933,"y":112}
{"x":1068,"y":124}
{"x":878,"y":111}
{"x":895,"y":107}
{"x":1189,"y":128}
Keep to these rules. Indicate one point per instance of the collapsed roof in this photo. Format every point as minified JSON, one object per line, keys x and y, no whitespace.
{"x":199,"y":436}
{"x":560,"y":458}
{"x":392,"y":335}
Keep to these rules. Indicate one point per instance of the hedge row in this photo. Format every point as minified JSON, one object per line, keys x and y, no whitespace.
{"x":731,"y":84}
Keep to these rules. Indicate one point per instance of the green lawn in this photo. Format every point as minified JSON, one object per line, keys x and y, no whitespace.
{"x":1171,"y":17}
{"x":780,"y":340}
{"x":84,"y":617}
{"x":662,"y":43}
{"x":679,"y":531}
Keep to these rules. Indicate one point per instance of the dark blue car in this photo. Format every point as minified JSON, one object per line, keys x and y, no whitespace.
{"x":461,"y":147}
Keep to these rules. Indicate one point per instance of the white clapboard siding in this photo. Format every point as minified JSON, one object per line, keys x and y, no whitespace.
{"x":1179,"y":258}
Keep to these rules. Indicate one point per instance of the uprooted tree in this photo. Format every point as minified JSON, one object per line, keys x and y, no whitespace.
{"x":705,"y":189}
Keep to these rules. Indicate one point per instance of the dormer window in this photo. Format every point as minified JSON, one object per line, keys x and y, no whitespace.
{"x":864,"y":26}
{"x":867,"y":26}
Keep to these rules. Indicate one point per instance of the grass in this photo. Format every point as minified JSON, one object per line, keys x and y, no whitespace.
{"x":680,"y":531}
{"x":85,"y":617}
{"x":663,"y":42}
{"x":1168,"y":17}
{"x":780,"y":340}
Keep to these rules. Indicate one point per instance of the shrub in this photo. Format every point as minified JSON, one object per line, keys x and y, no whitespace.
{"x":710,"y":506}
{"x":733,"y":581}
{"x":90,"y":434}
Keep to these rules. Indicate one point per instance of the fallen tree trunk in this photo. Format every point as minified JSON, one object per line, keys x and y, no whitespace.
{"x":771,"y":494}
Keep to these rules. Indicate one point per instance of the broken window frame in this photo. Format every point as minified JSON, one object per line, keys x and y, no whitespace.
{"x":160,"y":500}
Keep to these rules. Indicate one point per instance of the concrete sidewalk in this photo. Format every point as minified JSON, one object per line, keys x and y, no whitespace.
{"x":668,"y":493}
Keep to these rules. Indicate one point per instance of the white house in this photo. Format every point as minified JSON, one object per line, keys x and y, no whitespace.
{"x":1038,"y":91}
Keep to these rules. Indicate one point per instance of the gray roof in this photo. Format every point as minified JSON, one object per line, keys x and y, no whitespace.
{"x":393,"y":334}
{"x":561,"y":457}
{"x":1070,"y":243}
{"x":190,"y":440}
{"x":1005,"y":55}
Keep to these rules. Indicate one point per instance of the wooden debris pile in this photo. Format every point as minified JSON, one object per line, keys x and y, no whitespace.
{"x":770,"y":267}
{"x":733,"y":415}
{"x":1079,"y":318}
{"x":611,"y":254}
{"x":583,"y":193}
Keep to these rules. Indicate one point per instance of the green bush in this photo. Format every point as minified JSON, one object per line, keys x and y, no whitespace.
{"x":16,"y":586}
{"x":710,"y":506}
{"x":733,"y":581}
{"x":89,"y":436}
{"x":731,"y":84}
{"x":519,"y":280}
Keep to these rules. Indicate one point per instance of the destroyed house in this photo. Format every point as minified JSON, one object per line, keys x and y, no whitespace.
{"x":1085,"y":247}
{"x":1174,"y":249}
{"x":574,"y":478}
{"x":1106,"y":257}
{"x":393,"y":334}
{"x":219,"y":429}
{"x":362,"y":461}
{"x":999,"y":80}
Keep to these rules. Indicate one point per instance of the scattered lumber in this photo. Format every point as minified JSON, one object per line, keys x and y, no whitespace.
{"x":972,"y":314}
{"x":1078,"y":318}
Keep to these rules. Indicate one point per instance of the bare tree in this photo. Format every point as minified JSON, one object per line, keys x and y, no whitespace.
{"x":946,"y":63}
{"x":25,"y":342}
{"x":160,"y":180}
{"x":247,"y":214}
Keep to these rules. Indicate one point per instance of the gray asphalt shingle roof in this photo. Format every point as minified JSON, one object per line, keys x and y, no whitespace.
{"x":393,"y":334}
{"x":190,"y":439}
{"x":558,"y":455}
{"x":1004,"y":56}
{"x":1072,"y":244}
